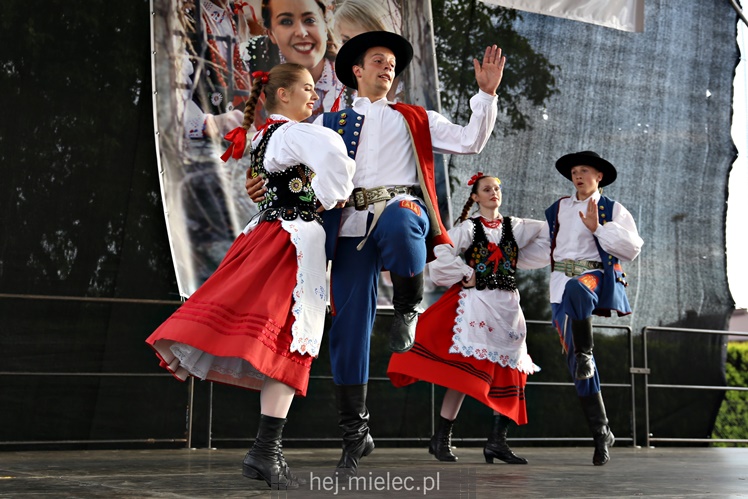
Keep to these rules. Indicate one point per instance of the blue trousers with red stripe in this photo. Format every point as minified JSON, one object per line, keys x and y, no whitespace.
{"x":397,"y":244}
{"x":579,"y":300}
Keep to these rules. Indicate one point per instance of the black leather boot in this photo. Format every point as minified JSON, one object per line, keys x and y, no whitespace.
{"x":264,"y":460}
{"x":496,"y":446}
{"x":354,"y":421}
{"x":594,"y":409}
{"x":581,"y":331}
{"x":407,"y":293}
{"x":441,"y":442}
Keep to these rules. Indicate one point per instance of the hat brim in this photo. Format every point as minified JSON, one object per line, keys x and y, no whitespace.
{"x":353,"y":48}
{"x":566,"y":163}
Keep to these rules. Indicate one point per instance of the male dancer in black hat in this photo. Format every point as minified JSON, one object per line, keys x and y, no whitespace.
{"x":393,"y":214}
{"x":589,"y":235}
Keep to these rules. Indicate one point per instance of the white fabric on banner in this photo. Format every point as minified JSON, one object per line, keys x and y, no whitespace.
{"x":625,"y":15}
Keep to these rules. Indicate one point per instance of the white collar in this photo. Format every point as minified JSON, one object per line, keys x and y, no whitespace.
{"x":362,"y":104}
{"x":595,"y":195}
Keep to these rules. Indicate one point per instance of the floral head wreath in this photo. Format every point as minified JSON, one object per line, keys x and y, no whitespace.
{"x":262,"y":75}
{"x":479,"y":176}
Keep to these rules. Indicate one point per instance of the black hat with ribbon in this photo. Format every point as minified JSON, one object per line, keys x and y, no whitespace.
{"x":351,"y":50}
{"x":587,"y":158}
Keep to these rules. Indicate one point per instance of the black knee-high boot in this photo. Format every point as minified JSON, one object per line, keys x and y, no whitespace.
{"x":581,"y":331}
{"x":407,"y":293}
{"x":496,"y":446}
{"x":354,"y":421}
{"x":441,"y":442}
{"x":264,"y":461}
{"x":594,"y":410}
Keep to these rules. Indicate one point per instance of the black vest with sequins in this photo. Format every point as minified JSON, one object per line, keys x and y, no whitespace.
{"x":289,"y":192}
{"x":494,"y":264}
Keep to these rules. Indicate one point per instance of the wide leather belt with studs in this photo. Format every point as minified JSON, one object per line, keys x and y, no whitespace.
{"x":362,"y":197}
{"x":573,"y":268}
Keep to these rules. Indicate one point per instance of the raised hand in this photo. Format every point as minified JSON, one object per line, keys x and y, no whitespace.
{"x":488,"y":74}
{"x":590,"y":218}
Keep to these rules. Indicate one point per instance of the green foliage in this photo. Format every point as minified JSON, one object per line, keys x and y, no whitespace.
{"x":732,"y":420}
{"x":463,"y":29}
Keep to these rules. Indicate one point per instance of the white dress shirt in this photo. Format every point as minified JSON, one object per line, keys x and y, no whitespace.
{"x":385,"y":150}
{"x":574,"y":241}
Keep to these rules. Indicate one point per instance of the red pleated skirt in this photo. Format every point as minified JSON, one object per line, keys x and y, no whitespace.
{"x":500,"y":388}
{"x":243,"y":311}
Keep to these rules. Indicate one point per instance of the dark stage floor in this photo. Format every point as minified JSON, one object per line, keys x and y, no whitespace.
{"x":552,"y":472}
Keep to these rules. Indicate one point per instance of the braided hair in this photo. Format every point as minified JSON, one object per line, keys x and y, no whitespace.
{"x":281,"y":76}
{"x":470,"y":202}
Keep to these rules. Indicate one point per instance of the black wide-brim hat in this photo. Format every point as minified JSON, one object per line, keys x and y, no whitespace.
{"x":359,"y":44}
{"x":587,"y":158}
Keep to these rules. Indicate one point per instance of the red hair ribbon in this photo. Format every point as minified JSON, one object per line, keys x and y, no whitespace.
{"x":262,"y":75}
{"x":239,"y":7}
{"x":475,"y":178}
{"x":268,"y":122}
{"x":238,"y":142}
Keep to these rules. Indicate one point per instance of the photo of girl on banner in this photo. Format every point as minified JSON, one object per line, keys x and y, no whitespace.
{"x":205,"y":53}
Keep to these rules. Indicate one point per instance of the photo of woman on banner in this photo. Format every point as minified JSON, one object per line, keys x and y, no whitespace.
{"x":213,"y":47}
{"x":298,"y":31}
{"x":353,"y":17}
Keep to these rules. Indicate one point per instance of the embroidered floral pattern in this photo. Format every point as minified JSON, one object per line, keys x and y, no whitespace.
{"x":295,"y":185}
{"x":310,"y":292}
{"x":478,"y":338}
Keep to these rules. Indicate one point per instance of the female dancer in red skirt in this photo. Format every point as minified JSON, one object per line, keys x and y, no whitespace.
{"x":472,"y":341}
{"x":257,"y":322}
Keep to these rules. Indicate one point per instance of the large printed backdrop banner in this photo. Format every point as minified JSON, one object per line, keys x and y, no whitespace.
{"x":204,"y":54}
{"x":657,"y":104}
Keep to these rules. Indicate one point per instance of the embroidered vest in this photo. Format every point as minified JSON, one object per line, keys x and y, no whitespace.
{"x":495,"y":264}
{"x":348,"y":124}
{"x":612,"y":295}
{"x":289,"y":192}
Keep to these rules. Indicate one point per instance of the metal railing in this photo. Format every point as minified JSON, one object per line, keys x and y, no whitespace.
{"x":647,"y":385}
{"x":631,"y":385}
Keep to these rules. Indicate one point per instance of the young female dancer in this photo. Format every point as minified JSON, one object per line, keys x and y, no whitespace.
{"x":472,"y":341}
{"x":257,"y":321}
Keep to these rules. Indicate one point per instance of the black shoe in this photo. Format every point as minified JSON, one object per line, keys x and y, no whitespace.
{"x":264,"y":460}
{"x":603,"y":440}
{"x":496,"y":446}
{"x":594,"y":410}
{"x":403,"y":332}
{"x":581,"y":331}
{"x":441,"y":442}
{"x":585,"y":366}
{"x":354,"y":421}
{"x":407,"y":293}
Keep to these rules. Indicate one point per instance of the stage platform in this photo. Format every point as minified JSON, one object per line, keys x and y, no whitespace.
{"x":387,"y":472}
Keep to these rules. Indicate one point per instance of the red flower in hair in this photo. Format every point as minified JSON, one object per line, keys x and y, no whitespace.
{"x":262,"y":75}
{"x":475,"y":178}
